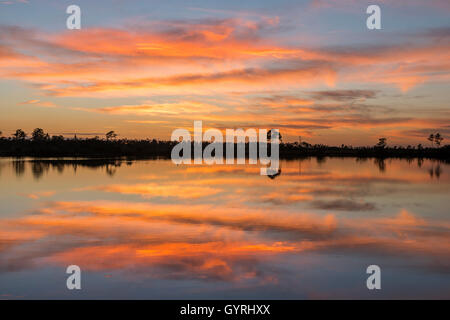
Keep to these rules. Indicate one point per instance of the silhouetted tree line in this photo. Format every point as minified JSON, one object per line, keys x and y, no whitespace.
{"x":41,"y":144}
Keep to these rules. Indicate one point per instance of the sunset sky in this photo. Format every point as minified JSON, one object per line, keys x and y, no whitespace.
{"x":310,"y":68}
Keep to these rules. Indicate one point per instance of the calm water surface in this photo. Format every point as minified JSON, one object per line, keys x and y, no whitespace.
{"x":153,"y":230}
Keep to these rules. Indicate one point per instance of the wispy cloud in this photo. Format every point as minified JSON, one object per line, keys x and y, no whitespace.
{"x":46,"y":104}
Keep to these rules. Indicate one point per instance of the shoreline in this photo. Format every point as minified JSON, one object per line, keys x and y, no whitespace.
{"x":141,"y":149}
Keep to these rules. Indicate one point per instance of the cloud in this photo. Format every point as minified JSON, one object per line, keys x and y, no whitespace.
{"x":424,"y":132}
{"x":343,"y":95}
{"x":345,"y":205}
{"x":13,"y":2}
{"x":197,"y":81}
{"x":201,"y":54}
{"x":46,"y":104}
{"x":176,"y":108}
{"x":347,"y":4}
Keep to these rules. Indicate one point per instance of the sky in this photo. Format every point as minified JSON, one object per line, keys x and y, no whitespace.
{"x":311,"y":68}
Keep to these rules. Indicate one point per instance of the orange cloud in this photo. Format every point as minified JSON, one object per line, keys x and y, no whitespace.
{"x":176,"y":108}
{"x":204,"y":55}
{"x":46,"y":104}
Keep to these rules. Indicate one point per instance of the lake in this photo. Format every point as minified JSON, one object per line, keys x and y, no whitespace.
{"x":149,"y":229}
